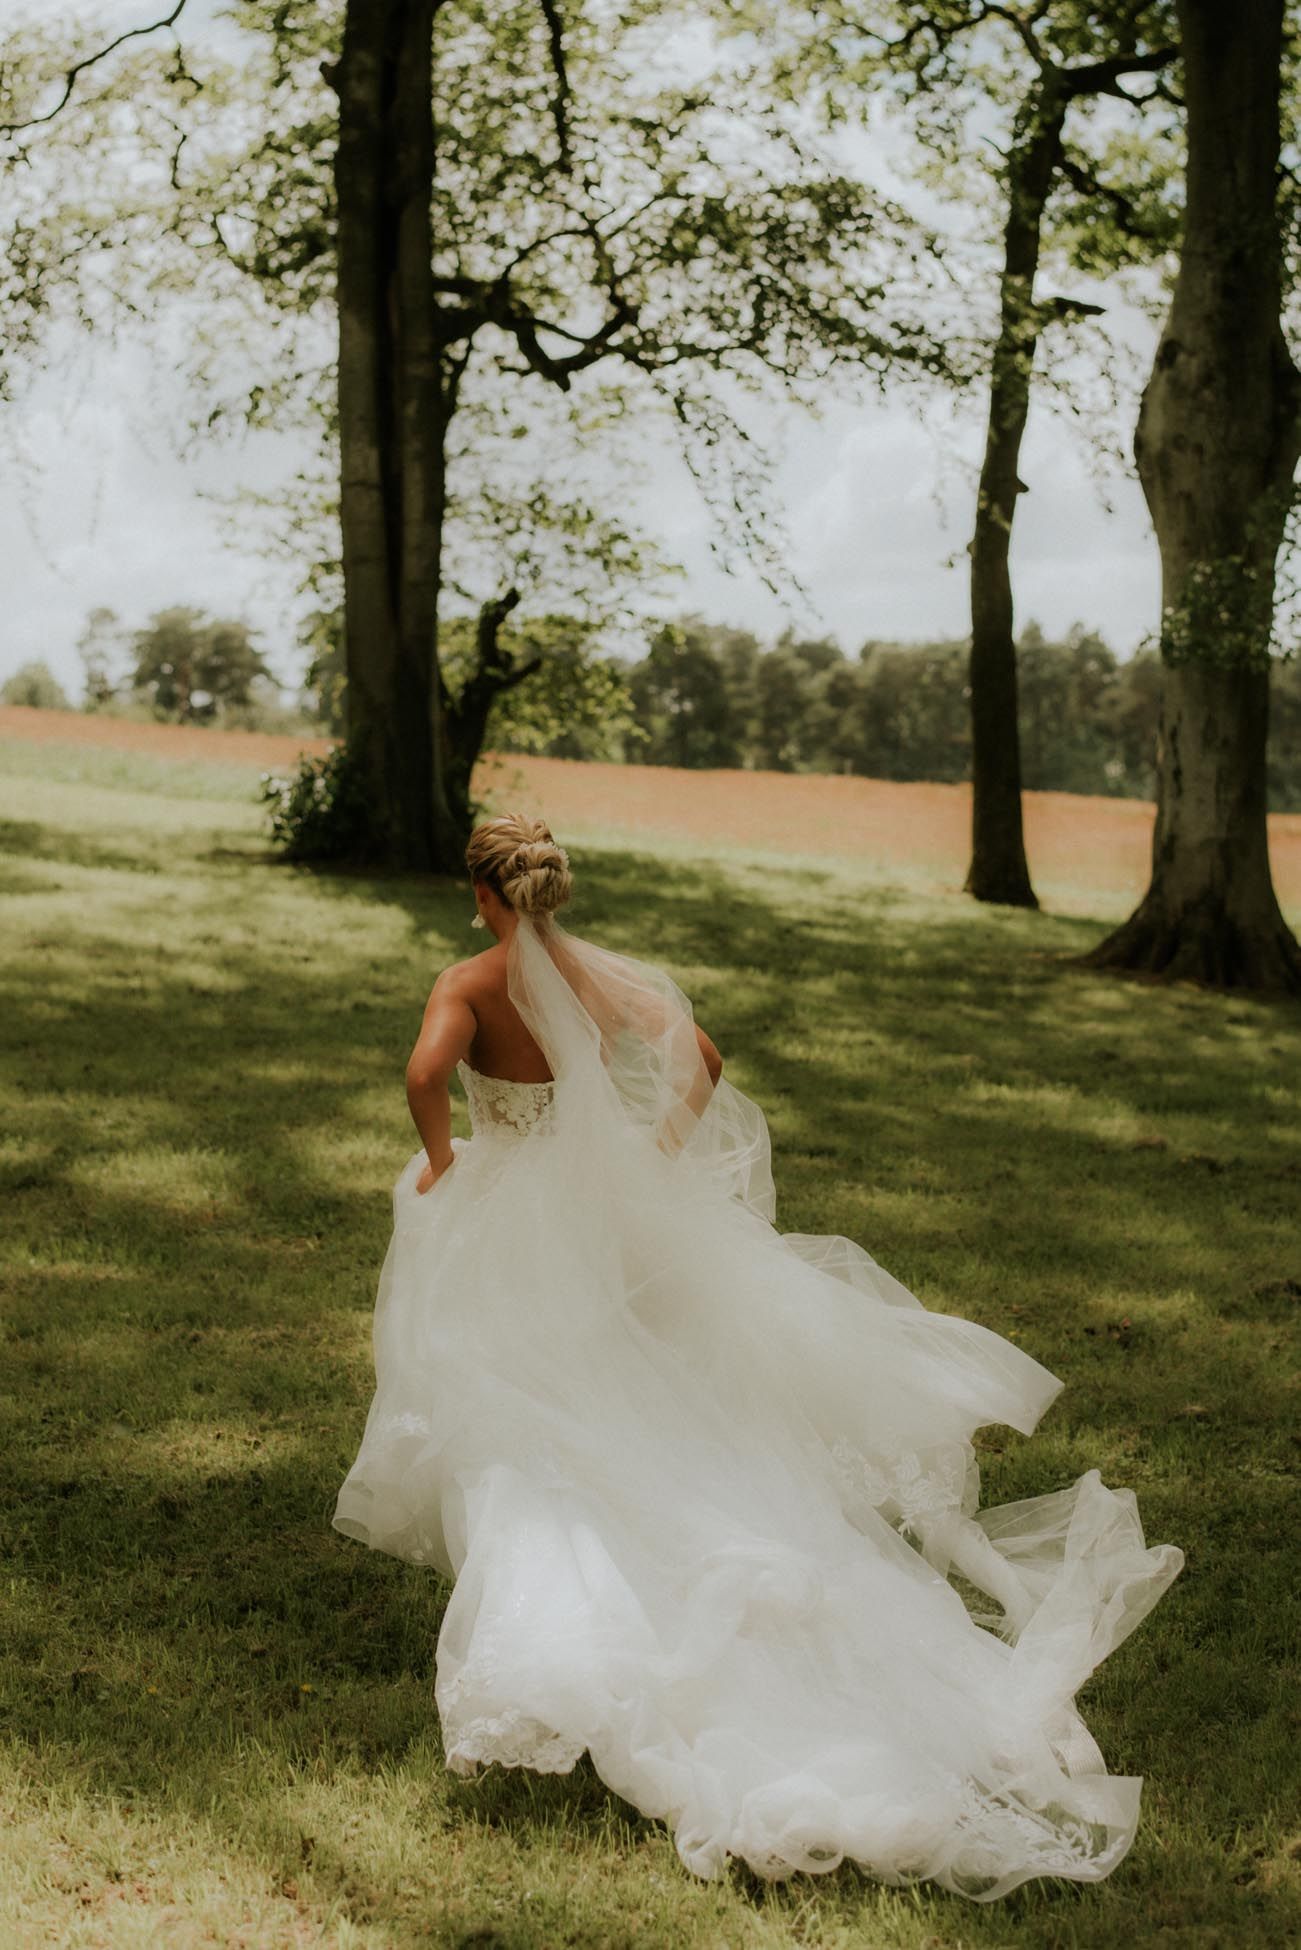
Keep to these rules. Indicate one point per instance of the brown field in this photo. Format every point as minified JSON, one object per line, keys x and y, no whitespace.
{"x":1083,"y":851}
{"x":179,"y":741}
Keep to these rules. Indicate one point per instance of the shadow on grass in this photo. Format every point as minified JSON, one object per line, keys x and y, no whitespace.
{"x":188,"y":1298}
{"x":28,"y":840}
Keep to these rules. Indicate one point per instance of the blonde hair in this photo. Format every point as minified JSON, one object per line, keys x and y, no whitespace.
{"x":517,"y":857}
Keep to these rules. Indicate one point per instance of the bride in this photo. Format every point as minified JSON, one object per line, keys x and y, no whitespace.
{"x":702,"y":1485}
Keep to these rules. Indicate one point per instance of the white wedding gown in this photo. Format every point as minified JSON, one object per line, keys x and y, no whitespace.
{"x":700,"y":1484}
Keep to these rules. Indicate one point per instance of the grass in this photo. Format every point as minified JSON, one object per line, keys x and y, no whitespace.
{"x":218,"y":1720}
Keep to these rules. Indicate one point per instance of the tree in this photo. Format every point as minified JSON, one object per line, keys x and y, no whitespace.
{"x":1217,"y":445}
{"x":325,"y":685}
{"x":1131,"y":714}
{"x":835,"y":716}
{"x":618,"y":236}
{"x":899,"y":710}
{"x":914,"y":716}
{"x":782,"y":698}
{"x":193,"y":666}
{"x":397,"y":394}
{"x":16,"y":125}
{"x":680,"y":694}
{"x":36,"y":686}
{"x":1285,"y":737}
{"x":102,"y":652}
{"x":1110,"y":45}
{"x":738,"y":653}
{"x":794,"y":683}
{"x":1064,"y":689}
{"x":578,"y":211}
{"x":1059,"y":176}
{"x":236,"y":201}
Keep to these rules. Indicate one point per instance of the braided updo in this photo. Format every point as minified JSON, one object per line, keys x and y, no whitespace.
{"x":517,"y":857}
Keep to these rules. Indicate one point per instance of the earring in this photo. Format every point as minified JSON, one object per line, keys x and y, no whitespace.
{"x":478,"y":922}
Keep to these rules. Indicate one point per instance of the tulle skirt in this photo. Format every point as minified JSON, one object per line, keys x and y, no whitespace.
{"x":701,"y":1487}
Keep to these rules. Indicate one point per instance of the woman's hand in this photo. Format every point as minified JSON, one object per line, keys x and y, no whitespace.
{"x":429,"y":1177}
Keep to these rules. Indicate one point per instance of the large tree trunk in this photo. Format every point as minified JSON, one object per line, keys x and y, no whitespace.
{"x":1217,"y":446}
{"x":394,"y":408}
{"x":998,"y":870}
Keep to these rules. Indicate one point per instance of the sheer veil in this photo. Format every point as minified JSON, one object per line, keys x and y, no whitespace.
{"x":620,"y":1037}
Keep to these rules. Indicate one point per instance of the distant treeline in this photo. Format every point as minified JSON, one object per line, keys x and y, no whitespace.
{"x":707,"y":695}
{"x":704,"y":696}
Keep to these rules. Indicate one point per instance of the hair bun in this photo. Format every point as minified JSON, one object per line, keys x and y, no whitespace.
{"x":519,"y":857}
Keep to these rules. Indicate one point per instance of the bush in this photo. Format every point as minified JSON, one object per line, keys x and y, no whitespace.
{"x":320,"y":811}
{"x":36,"y":685}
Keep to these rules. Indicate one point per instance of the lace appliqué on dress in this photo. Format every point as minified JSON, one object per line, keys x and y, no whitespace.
{"x":512,"y":1738}
{"x":1057,"y":1841}
{"x":500,"y":1107}
{"x":913,"y":1488}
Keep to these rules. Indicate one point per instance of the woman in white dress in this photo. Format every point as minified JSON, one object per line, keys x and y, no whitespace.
{"x":701,"y":1484}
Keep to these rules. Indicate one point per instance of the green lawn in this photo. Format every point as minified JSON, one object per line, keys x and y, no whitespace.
{"x":218,"y":1718}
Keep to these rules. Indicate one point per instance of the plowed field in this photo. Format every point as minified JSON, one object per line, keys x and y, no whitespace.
{"x":1080,"y":848}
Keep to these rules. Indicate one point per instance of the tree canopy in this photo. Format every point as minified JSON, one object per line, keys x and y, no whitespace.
{"x":478,"y":254}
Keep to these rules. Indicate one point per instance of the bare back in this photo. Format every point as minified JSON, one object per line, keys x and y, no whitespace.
{"x":470,"y":1015}
{"x":502,"y":1046}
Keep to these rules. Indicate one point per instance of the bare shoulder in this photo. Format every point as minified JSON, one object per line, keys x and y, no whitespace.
{"x":477,"y":975}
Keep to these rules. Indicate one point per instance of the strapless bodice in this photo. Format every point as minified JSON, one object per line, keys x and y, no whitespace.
{"x":501,"y":1107}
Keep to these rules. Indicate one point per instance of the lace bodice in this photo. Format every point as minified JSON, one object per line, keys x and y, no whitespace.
{"x":500,"y":1107}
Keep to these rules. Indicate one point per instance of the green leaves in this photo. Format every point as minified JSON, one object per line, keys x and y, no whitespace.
{"x":574,"y":704}
{"x":602,"y":200}
{"x":1223,"y":614}
{"x":318,"y":811}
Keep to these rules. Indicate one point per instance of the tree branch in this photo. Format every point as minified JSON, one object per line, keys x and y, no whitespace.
{"x":1128,"y":218}
{"x":941,"y":32}
{"x":492,"y":615}
{"x":496,"y":304}
{"x":79,"y":68}
{"x":1056,"y":309}
{"x":517,"y":673}
{"x":560,"y":101}
{"x":1023,"y":24}
{"x":1104,"y":77}
{"x":524,"y":328}
{"x":491,"y":674}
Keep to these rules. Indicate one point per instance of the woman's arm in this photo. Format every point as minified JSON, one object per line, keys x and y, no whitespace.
{"x":703,"y":1087}
{"x":677,"y":1125}
{"x":446,"y":1034}
{"x":713,"y":1061}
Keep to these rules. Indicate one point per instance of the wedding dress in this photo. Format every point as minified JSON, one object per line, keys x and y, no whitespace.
{"x":702,"y":1485}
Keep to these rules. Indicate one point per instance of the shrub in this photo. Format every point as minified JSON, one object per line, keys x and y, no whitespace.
{"x":320,"y":811}
{"x":36,"y":685}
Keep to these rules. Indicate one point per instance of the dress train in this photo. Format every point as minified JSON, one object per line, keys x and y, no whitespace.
{"x":702,"y":1486}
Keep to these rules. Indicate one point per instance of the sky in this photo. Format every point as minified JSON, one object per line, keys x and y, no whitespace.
{"x":99,"y":506}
